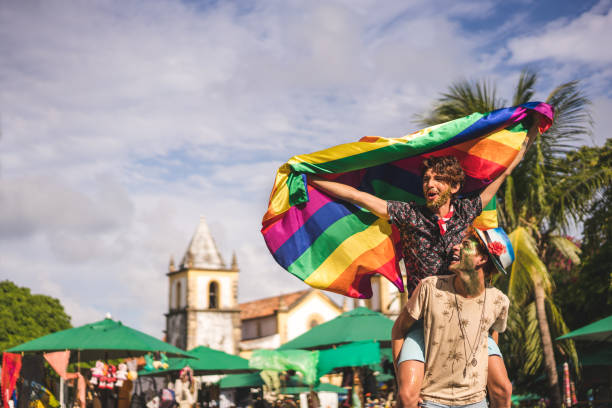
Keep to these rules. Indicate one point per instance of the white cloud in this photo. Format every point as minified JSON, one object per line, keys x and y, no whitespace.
{"x":569,"y":49}
{"x":583,"y":39}
{"x":42,"y":204}
{"x":478,"y":9}
{"x":603,"y":120}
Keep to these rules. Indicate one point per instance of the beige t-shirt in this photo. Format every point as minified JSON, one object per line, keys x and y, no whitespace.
{"x":450,"y":378}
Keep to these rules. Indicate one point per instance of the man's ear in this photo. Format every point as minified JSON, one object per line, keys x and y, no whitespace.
{"x":481,"y":260}
{"x":455,"y":188}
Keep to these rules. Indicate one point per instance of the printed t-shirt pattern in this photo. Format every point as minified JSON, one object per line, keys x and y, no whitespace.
{"x":426,"y":252}
{"x":450,"y":377}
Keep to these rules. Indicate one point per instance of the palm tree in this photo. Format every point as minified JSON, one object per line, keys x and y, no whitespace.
{"x":549,"y":190}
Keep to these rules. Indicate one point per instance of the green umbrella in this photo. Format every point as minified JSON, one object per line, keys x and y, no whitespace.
{"x":601,"y":330}
{"x":359,"y":324}
{"x":205,"y":361}
{"x":106,"y":339}
{"x":241,"y":380}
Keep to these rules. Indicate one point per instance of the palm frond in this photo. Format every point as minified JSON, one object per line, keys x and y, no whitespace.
{"x":566,"y":247}
{"x":525,"y":87}
{"x":538,"y":191}
{"x":521,"y":341}
{"x":580,"y":177}
{"x":509,"y":199}
{"x":527,"y":267}
{"x":531,"y":184}
{"x":573,"y":121}
{"x":533,"y":346}
{"x":463,"y":98}
{"x":559,"y":328}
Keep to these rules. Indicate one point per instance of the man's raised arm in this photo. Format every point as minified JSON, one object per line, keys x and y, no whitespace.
{"x":344,"y":192}
{"x":488,"y":193}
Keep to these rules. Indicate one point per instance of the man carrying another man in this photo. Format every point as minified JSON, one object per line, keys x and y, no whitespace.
{"x":457,"y":311}
{"x":428,"y":234}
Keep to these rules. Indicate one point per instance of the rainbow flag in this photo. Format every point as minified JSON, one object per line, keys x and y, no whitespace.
{"x":334,"y":245}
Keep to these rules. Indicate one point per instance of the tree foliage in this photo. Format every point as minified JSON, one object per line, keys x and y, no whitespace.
{"x":24,"y":316}
{"x":587,"y":289}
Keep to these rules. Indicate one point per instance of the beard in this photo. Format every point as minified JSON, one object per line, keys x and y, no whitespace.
{"x":465,"y":270}
{"x":435,"y":205}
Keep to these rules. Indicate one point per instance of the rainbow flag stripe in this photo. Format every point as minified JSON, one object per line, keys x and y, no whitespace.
{"x":336,"y":246}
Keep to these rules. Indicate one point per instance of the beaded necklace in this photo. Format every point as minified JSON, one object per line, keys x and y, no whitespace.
{"x":473,"y":349}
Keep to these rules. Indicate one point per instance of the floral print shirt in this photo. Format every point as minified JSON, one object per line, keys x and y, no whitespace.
{"x":426,"y":252}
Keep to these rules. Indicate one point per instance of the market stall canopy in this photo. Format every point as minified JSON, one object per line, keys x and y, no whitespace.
{"x":302,"y":361}
{"x":206,"y":361}
{"x":294,"y":387}
{"x":356,"y":354}
{"x":241,"y":380}
{"x":359,"y":324}
{"x":319,"y":388}
{"x":316,"y":363}
{"x":601,"y":330}
{"x":103,"y":340}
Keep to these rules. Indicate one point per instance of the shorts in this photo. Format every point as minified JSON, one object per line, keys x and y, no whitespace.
{"x":414,"y":345}
{"x":431,"y":404}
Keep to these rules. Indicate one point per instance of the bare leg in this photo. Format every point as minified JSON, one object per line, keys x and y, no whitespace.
{"x":498,"y":383}
{"x":409,"y":380}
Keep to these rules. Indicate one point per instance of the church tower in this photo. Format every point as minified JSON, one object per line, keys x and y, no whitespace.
{"x":203,"y":297}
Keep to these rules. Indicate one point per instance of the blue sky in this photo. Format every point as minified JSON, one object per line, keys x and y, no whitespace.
{"x":124,"y":121}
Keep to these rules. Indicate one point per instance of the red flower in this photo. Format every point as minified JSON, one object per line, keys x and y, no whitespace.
{"x":496,"y":248}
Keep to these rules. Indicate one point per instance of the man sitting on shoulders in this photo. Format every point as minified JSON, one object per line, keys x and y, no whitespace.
{"x":457,"y":311}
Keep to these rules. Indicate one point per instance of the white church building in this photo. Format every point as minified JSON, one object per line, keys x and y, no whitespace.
{"x":203,"y":306}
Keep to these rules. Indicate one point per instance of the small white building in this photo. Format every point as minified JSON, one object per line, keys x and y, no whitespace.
{"x":268,"y":323}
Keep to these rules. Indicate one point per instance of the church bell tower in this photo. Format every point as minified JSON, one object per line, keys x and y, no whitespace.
{"x":203,"y":297}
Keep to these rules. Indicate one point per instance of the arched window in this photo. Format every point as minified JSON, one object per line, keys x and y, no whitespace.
{"x":177,"y":295}
{"x":213,"y":295}
{"x":314,"y":320}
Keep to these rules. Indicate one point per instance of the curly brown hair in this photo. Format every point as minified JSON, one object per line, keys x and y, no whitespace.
{"x":448,"y":167}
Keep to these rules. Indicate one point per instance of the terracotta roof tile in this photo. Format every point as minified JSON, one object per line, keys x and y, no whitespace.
{"x":268,"y":306}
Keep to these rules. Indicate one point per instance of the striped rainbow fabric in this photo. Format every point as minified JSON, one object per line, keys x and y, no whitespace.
{"x":334,"y":245}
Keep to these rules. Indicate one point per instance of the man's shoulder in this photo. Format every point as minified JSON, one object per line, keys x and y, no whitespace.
{"x":405,"y":210}
{"x":494,"y":290}
{"x":497,"y":295}
{"x":467,"y":208}
{"x":402,"y":204}
{"x":429,"y":280}
{"x":466,"y":200}
{"x":427,"y":284}
{"x":438,"y":281}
